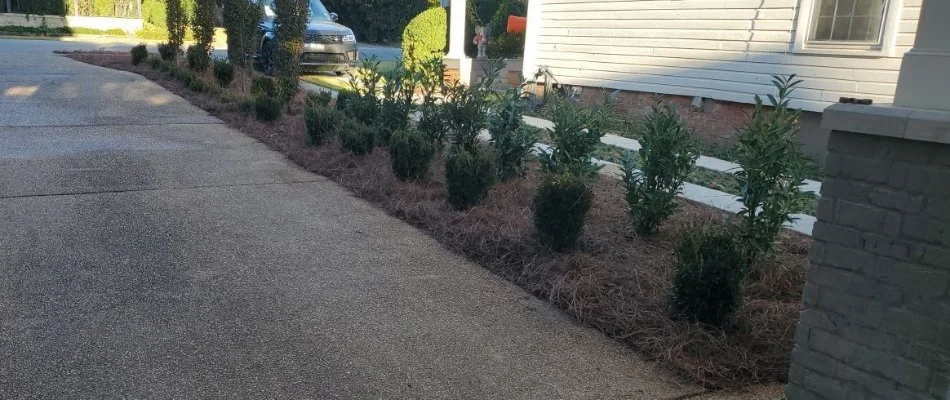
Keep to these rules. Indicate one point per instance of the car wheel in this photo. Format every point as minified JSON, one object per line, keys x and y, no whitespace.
{"x":267,"y":58}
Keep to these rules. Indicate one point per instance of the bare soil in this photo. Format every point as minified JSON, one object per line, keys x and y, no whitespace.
{"x":615,"y":281}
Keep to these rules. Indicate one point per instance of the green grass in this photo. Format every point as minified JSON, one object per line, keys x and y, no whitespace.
{"x":327,"y":81}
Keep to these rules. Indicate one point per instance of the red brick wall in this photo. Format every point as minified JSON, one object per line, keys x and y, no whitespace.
{"x":715,"y":122}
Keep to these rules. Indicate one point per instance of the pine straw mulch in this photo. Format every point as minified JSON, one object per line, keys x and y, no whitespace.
{"x":616,"y":281}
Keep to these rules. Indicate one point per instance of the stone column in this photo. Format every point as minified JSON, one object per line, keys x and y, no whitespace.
{"x":923,"y":82}
{"x":875,"y":319}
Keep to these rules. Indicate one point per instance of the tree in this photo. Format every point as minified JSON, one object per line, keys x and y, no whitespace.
{"x":291,"y":21}
{"x":176,"y":21}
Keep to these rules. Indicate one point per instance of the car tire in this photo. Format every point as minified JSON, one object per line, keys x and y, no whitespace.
{"x":267,"y":58}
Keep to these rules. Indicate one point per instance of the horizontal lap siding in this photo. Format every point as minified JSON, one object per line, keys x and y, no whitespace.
{"x":720,"y":49}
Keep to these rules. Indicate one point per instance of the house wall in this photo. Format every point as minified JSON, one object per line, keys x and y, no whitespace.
{"x":723,"y":50}
{"x":720,"y":49}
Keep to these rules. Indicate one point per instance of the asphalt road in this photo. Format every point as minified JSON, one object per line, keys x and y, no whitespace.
{"x":149,"y":251}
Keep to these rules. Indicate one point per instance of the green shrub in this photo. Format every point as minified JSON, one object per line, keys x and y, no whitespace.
{"x":511,"y":138}
{"x":772,"y":170}
{"x":710,"y":269}
{"x":197,"y":85}
{"x":167,"y":51}
{"x":223,"y":72}
{"x":506,"y":45}
{"x":321,"y":99}
{"x":396,"y":102}
{"x":246,"y":105}
{"x":267,"y":109}
{"x":376,"y":20}
{"x":202,"y":24}
{"x":575,"y":136}
{"x":356,"y":137}
{"x":430,"y":76}
{"x":365,"y":85}
{"x":264,"y":86}
{"x":155,"y":63}
{"x":469,"y":174}
{"x":424,"y":37}
{"x":291,"y":22}
{"x":410,"y":152}
{"x":321,"y":123}
{"x":667,"y":156}
{"x":343,"y":99}
{"x":465,"y":109}
{"x":198,"y":59}
{"x":560,"y":208}
{"x":139,"y":54}
{"x":176,"y":20}
{"x":240,"y":19}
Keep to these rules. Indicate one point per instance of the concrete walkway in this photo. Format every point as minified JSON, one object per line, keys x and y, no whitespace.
{"x":148,"y":251}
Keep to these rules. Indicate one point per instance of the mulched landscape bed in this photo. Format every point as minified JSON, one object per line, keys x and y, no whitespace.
{"x":616,"y":281}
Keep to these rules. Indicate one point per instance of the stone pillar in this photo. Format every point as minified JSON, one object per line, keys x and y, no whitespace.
{"x":875,"y":319}
{"x":923,"y":80}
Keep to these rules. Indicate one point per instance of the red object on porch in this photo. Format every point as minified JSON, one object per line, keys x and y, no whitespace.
{"x":517,"y":24}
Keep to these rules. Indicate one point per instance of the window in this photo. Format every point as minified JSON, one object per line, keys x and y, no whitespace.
{"x":860,"y":27}
{"x":848,"y":21}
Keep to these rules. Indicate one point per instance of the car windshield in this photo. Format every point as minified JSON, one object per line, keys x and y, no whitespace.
{"x":318,"y":12}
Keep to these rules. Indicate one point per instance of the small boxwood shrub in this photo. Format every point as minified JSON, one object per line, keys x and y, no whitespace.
{"x":155,"y":63}
{"x":321,"y":99}
{"x":425,"y":35}
{"x":264,"y":86}
{"x":223,"y":72}
{"x":410,"y":152}
{"x":197,"y":85}
{"x":710,"y":269}
{"x":321,"y":122}
{"x":469,"y":174}
{"x":198,"y":59}
{"x":560,"y":208}
{"x":167,"y":52}
{"x":139,"y":54}
{"x":343,"y":98}
{"x":356,"y":137}
{"x":267,"y":108}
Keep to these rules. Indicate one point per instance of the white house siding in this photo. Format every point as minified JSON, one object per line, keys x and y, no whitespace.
{"x":719,"y":49}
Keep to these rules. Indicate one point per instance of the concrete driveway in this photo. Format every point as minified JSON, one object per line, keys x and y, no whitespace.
{"x":149,"y":251}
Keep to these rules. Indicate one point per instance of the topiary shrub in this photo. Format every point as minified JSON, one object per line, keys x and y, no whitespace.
{"x":410,"y":152}
{"x":223,"y":72}
{"x":198,"y":59}
{"x":267,"y":108}
{"x":710,"y":268}
{"x":356,"y":137}
{"x":139,"y":54}
{"x":167,"y":51}
{"x":667,"y":156}
{"x":560,"y":208}
{"x":425,"y":36}
{"x":321,"y":99}
{"x":321,"y":123}
{"x":469,"y":174}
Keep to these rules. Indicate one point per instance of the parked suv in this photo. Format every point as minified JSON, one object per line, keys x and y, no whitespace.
{"x":328,"y":46}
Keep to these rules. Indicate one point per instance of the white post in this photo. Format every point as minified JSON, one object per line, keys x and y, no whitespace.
{"x":531,"y":35}
{"x":457,"y":29}
{"x":923,"y":81}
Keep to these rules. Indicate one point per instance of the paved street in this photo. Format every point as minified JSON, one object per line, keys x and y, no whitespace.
{"x":149,"y":251}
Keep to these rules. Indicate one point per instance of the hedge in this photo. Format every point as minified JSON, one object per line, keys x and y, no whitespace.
{"x":425,"y":35}
{"x":377,"y":21}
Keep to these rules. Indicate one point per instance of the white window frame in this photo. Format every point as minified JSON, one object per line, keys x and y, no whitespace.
{"x":885,"y":48}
